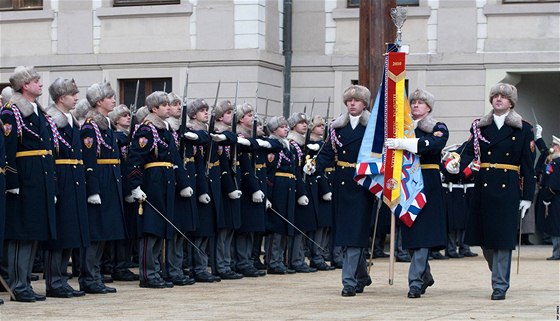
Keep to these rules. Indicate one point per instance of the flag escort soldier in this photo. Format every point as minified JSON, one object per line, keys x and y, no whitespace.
{"x":30,"y":180}
{"x":71,"y":206}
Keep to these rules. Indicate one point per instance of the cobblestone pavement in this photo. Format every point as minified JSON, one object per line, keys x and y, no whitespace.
{"x":461,"y":292}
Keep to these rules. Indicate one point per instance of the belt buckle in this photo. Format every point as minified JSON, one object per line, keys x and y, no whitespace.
{"x":492,"y":165}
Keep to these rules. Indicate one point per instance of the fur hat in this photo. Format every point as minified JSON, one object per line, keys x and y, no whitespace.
{"x":243,"y":110}
{"x":222,"y":108}
{"x":195,"y":105}
{"x":506,"y":90}
{"x":423,"y":95}
{"x":555,"y":140}
{"x":357,"y":92}
{"x":296,"y":118}
{"x":23,"y":75}
{"x":6,"y":94}
{"x":118,"y":112}
{"x":317,"y":120}
{"x":141,"y":113}
{"x":173,"y":98}
{"x":275,"y":122}
{"x":82,"y":107}
{"x":62,"y":87}
{"x":156,"y":99}
{"x":97,"y":92}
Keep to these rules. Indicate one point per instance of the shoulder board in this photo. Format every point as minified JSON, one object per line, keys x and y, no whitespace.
{"x":8,"y":105}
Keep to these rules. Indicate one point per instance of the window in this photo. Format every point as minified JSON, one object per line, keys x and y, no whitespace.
{"x":527,"y":1}
{"x":127,"y":89}
{"x":13,"y":5}
{"x":126,"y":3}
{"x":414,"y":3}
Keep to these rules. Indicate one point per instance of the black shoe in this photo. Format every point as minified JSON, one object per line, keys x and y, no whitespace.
{"x":61,"y":292}
{"x":553,"y":258}
{"x":426,"y":285}
{"x":110,"y":289}
{"x":34,"y":277}
{"x":152,"y":284}
{"x":403,"y":258}
{"x":230,"y":275}
{"x":322,"y":266}
{"x":1,"y":301}
{"x":250,"y":273}
{"x":439,"y":256}
{"x":380,"y":254}
{"x":107,"y":279}
{"x":38,"y":297}
{"x":182,"y":280}
{"x":414,"y":292}
{"x":455,"y":255}
{"x":125,"y":275}
{"x":469,"y":254}
{"x":498,"y":295}
{"x":337,"y":265}
{"x":94,"y":289}
{"x":204,"y":277}
{"x":26,"y":296}
{"x":290,"y":271}
{"x":259,"y":265}
{"x":304,"y":269}
{"x":75,"y":293}
{"x":277,"y":270}
{"x":348,"y":291}
{"x":360,"y":287}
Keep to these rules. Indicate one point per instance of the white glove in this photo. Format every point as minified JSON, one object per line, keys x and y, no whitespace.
{"x":243,"y":141}
{"x":204,"y":198}
{"x":218,"y":137}
{"x":13,"y":191}
{"x":546,"y":203}
{"x":235,"y":194}
{"x":138,"y":194}
{"x":258,"y":196}
{"x":268,"y":204}
{"x":263,"y":143}
{"x":538,"y":131}
{"x":523,"y":207}
{"x":309,"y":167}
{"x":452,"y":166}
{"x":186,"y":192}
{"x":94,"y":199}
{"x":327,"y":197}
{"x":191,"y":136}
{"x":303,"y":200}
{"x":474,"y":165}
{"x":129,"y":199}
{"x":55,"y":199}
{"x":409,"y":144}
{"x":313,"y":147}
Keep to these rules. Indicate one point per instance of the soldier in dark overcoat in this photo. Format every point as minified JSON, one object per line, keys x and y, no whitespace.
{"x":353,"y":205}
{"x":101,"y":156}
{"x":2,"y":192}
{"x":502,"y":144}
{"x":71,"y":206}
{"x":30,"y":179}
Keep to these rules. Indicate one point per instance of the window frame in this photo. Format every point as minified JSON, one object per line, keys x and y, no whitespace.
{"x":19,"y":5}
{"x":132,"y":3}
{"x":506,"y":2}
{"x":147,"y":86}
{"x":352,"y":4}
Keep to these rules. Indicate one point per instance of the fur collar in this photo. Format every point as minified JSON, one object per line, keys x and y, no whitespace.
{"x":513,"y":119}
{"x":99,"y":119}
{"x":427,"y":124}
{"x":194,"y":124}
{"x":244,"y":131}
{"x":25,"y":107}
{"x":315,"y":138}
{"x":344,"y":119}
{"x":59,"y":118}
{"x":174,"y":123}
{"x":156,"y":121}
{"x":126,"y":131}
{"x":283,"y":141}
{"x":221,"y":127}
{"x":554,"y":156}
{"x":297,"y":137}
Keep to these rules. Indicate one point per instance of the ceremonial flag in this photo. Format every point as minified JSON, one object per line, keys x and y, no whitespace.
{"x":394,"y":175}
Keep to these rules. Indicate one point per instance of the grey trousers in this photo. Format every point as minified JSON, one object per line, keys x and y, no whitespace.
{"x":90,"y":264}
{"x":354,"y":266}
{"x":21,"y":255}
{"x":320,"y":236}
{"x":222,"y":252}
{"x":149,"y":249}
{"x":56,"y":265}
{"x":419,"y":271}
{"x":499,"y":262}
{"x":200,"y":259}
{"x":275,"y":251}
{"x":174,"y":257}
{"x":555,"y":246}
{"x":244,"y":250}
{"x":295,"y":250}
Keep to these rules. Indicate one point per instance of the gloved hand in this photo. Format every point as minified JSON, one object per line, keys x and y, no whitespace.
{"x":129,"y":199}
{"x":94,"y":199}
{"x":218,"y":137}
{"x":452,"y":166}
{"x":235,"y":194}
{"x":55,"y":199}
{"x":186,"y":192}
{"x":327,"y":196}
{"x":538,"y":131}
{"x":13,"y":191}
{"x":263,"y":143}
{"x":268,"y":204}
{"x":523,"y":207}
{"x":313,"y":147}
{"x":191,"y":136}
{"x":243,"y":141}
{"x":474,"y":165}
{"x":204,"y":198}
{"x":546,"y":203}
{"x":258,"y":196}
{"x":138,"y":194}
{"x":309,"y":167}
{"x":303,"y":200}
{"x":409,"y":144}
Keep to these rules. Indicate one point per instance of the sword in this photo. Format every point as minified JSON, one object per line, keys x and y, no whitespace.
{"x":5,"y":285}
{"x":534,"y":116}
{"x":370,"y":263}
{"x":295,"y":227}
{"x":519,"y":243}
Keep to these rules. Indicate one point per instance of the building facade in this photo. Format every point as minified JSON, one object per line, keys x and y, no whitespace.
{"x":458,"y":49}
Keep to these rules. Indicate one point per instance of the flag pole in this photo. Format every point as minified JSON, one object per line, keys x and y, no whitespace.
{"x":392,"y":250}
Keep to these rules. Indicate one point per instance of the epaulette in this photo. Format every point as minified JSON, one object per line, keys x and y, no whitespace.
{"x":88,"y":120}
{"x":8,"y":105}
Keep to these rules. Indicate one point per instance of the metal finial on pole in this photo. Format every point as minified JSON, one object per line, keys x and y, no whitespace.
{"x":398,"y":15}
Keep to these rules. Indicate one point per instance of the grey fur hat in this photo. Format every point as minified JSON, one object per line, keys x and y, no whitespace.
{"x":82,"y":107}
{"x":423,"y":95}
{"x":296,"y":118}
{"x":62,"y":87}
{"x":118,"y":112}
{"x":243,"y":110}
{"x":173,"y":98}
{"x":506,"y":90}
{"x":222,"y":108}
{"x":357,"y":92}
{"x":6,"y":94}
{"x":156,"y":99}
{"x":317,"y":120}
{"x":275,"y":122}
{"x":141,"y":113}
{"x":23,"y":75}
{"x":195,"y":105}
{"x":97,"y":92}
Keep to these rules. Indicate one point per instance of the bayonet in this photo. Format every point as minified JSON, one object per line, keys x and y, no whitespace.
{"x":211,"y":130}
{"x":183,"y":126}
